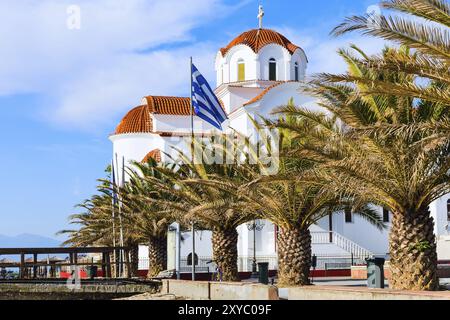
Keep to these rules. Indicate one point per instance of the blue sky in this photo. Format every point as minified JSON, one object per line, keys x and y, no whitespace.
{"x":63,"y":91}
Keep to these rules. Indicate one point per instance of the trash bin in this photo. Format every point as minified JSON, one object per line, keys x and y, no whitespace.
{"x":375,"y":272}
{"x":263,"y":268}
{"x":91,"y":272}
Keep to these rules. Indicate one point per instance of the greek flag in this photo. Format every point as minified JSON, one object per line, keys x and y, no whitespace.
{"x":204,"y":101}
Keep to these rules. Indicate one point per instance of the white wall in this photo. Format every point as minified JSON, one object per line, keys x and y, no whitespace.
{"x":203,"y":244}
{"x":230,"y":63}
{"x":299,"y":57}
{"x":363,"y":233}
{"x":257,"y":64}
{"x":279,"y":96}
{"x":240,"y":122}
{"x":283,"y":60}
{"x":240,"y":95}
{"x":182,"y":124}
{"x":443,"y":248}
{"x":438,"y":210}
{"x":265,"y":240}
{"x":134,"y":146}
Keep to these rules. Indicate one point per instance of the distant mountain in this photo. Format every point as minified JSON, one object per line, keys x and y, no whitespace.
{"x":27,"y":240}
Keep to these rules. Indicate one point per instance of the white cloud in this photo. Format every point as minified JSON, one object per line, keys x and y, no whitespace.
{"x":93,"y":75}
{"x":321,"y":49}
{"x":112,"y":61}
{"x":99,"y":93}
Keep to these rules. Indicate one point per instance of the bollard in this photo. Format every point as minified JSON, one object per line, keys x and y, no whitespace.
{"x":263,"y":268}
{"x":375,"y":272}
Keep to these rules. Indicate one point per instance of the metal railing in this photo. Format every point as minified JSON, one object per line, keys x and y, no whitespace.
{"x":324,"y":262}
{"x":202,"y":264}
{"x":329,"y":262}
{"x":323,"y":237}
{"x":245,"y":262}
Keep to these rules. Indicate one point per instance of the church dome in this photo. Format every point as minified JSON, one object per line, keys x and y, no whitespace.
{"x":155,"y":154}
{"x":258,"y":38}
{"x":137,"y":120}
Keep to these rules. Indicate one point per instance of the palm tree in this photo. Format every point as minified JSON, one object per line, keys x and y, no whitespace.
{"x":385,"y":149}
{"x":294,"y":199}
{"x":95,"y":223}
{"x":142,"y":221}
{"x":196,"y":200}
{"x":427,"y":34}
{"x":142,"y":213}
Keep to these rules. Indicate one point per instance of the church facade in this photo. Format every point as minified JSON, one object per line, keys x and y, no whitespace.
{"x":256,"y":72}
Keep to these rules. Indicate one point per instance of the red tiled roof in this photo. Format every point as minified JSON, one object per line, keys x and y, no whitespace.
{"x":258,"y":38}
{"x":136,"y":120}
{"x":139,"y":120}
{"x":155,"y":154}
{"x":169,"y":105}
{"x":182,"y":134}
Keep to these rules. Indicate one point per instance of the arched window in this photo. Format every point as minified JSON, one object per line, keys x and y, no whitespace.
{"x":241,"y":70}
{"x":272,"y":69}
{"x":296,"y":71}
{"x":348,"y":215}
{"x":189,"y":259}
{"x":448,"y":210}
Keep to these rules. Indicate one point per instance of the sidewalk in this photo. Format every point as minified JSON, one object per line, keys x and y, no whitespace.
{"x":348,"y":282}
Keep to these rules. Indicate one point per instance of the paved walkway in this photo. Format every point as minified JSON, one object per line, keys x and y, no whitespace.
{"x":348,"y":282}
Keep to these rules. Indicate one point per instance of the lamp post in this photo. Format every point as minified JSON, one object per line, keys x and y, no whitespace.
{"x":255,"y":225}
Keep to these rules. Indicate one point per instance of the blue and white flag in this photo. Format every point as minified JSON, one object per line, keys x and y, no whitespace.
{"x":204,"y":101}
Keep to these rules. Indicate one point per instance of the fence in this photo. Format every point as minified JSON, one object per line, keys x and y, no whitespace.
{"x":328,"y":262}
{"x":325,"y":237}
{"x":245,"y":262}
{"x":324,"y":262}
{"x":202,"y":264}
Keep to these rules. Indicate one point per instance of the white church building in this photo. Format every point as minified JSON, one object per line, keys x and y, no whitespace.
{"x":256,"y":72}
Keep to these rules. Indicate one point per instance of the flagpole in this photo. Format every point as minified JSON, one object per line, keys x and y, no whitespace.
{"x":193,"y":160}
{"x":192,"y":107}
{"x":119,"y":264}
{"x":113,"y":178}
{"x":122,"y":253}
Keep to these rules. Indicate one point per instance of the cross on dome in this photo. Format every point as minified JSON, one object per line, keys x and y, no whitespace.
{"x":260,"y":15}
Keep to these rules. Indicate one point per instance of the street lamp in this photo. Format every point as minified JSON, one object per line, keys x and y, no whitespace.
{"x":255,"y":225}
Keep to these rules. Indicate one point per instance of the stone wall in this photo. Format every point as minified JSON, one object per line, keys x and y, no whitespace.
{"x":33,"y":291}
{"x":360,"y":272}
{"x":351,"y":293}
{"x":205,"y":290}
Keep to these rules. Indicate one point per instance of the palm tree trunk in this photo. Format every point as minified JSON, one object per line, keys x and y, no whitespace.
{"x":126,"y":265}
{"x":294,"y":256}
{"x":134,"y":260}
{"x":413,"y":257}
{"x":225,"y":253}
{"x":157,"y":254}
